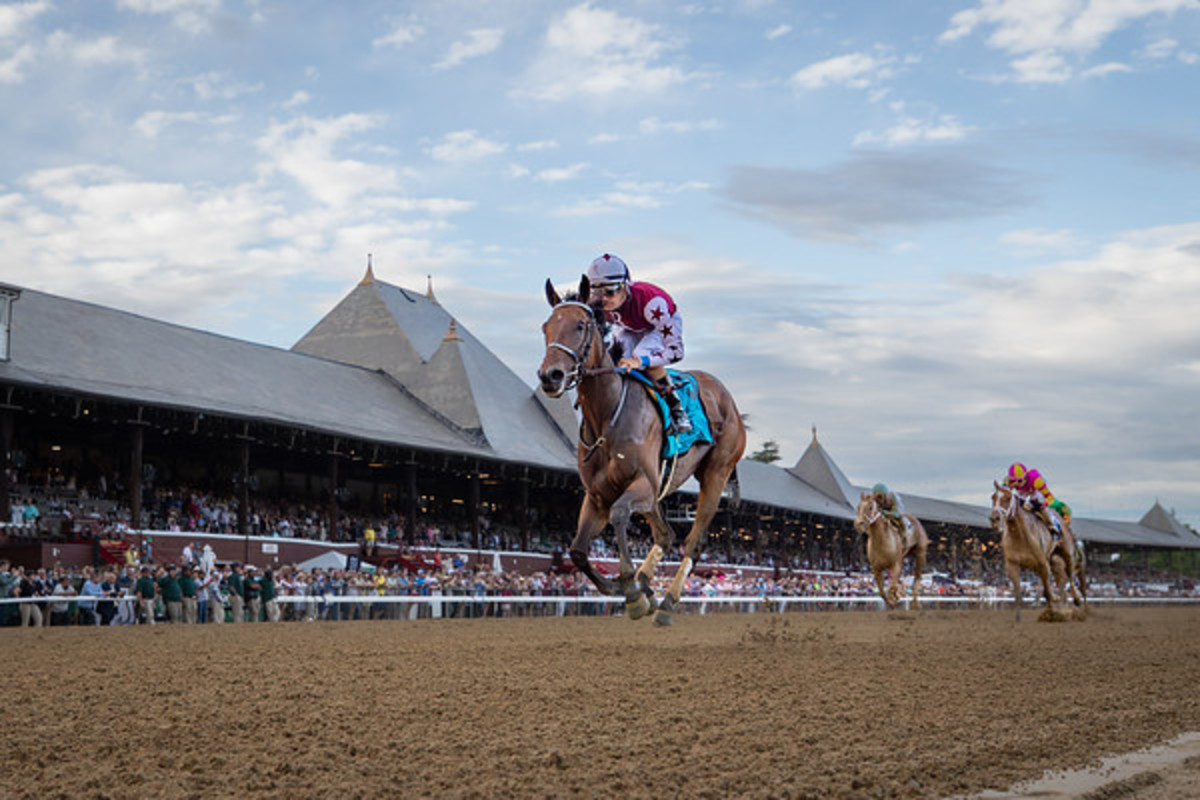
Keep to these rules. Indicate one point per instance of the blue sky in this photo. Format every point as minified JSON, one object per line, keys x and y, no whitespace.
{"x":949,"y":235}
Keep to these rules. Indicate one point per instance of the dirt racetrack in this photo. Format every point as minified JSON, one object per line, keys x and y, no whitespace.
{"x":831,"y":704}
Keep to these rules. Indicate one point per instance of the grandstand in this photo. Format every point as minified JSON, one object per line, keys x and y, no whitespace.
{"x":388,"y":405}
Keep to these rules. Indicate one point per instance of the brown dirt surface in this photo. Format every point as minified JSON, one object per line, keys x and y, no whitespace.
{"x":803,"y":705}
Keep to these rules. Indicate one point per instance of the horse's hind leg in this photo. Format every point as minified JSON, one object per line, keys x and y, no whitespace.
{"x":706,"y":508}
{"x":918,"y":569}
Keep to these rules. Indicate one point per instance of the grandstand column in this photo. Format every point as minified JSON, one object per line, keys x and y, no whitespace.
{"x":6,"y":434}
{"x":411,"y":498}
{"x":138,"y":427}
{"x":476,"y":510}
{"x":243,"y":512}
{"x":525,"y":511}
{"x":333,"y":491}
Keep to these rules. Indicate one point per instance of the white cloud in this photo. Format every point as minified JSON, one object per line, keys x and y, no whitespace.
{"x":1038,"y":33}
{"x":910,"y":130}
{"x":560,"y":174}
{"x":298,"y":98}
{"x":400,"y":36}
{"x":541,"y":144}
{"x":15,"y":16}
{"x":461,"y":146}
{"x":220,"y":86}
{"x":12,"y":68}
{"x":1039,"y":239}
{"x":478,"y":43}
{"x":1100,"y":70}
{"x":653,"y":125}
{"x":192,"y":16}
{"x":591,"y":52}
{"x":101,"y":50}
{"x":152,"y":123}
{"x":778,"y":32}
{"x":854,"y":70}
{"x":303,"y":150}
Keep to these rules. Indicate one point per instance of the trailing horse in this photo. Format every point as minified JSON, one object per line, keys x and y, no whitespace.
{"x":887,"y":549}
{"x":619,"y":454}
{"x":1028,"y":544}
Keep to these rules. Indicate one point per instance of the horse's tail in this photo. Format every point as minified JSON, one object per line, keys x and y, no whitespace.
{"x":735,"y":489}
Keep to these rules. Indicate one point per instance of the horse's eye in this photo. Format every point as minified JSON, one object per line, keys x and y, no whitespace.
{"x":579,"y":326}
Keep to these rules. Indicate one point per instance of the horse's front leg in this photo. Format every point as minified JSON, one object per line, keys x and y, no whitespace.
{"x":592,"y":518}
{"x":637,"y":605}
{"x":1014,"y":575}
{"x":881,"y":585}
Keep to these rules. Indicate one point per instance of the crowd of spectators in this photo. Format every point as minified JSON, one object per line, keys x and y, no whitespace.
{"x":203,"y":592}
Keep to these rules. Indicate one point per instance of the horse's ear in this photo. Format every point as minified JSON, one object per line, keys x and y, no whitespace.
{"x":585,"y":289}
{"x":996,"y":483}
{"x":552,"y":294}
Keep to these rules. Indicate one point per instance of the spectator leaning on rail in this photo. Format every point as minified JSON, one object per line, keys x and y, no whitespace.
{"x":646,"y":323}
{"x":1036,"y":494}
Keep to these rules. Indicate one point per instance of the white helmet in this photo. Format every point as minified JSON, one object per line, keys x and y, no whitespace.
{"x":607,"y":270}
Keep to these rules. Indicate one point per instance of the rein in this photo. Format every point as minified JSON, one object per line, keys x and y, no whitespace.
{"x":580,"y":372}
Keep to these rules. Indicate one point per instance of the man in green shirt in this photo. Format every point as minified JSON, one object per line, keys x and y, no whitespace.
{"x":144,"y":589}
{"x":187,"y":587}
{"x":268,"y":596}
{"x":253,"y":588}
{"x":237,"y":592}
{"x":172,"y":594}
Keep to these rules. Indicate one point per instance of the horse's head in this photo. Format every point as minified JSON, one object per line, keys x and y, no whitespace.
{"x":1003,"y":505}
{"x":867,"y":511}
{"x":572,"y":335}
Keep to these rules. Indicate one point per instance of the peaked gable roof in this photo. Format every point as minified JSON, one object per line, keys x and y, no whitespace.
{"x":413,"y":339}
{"x":1159,"y":519}
{"x":818,"y":470}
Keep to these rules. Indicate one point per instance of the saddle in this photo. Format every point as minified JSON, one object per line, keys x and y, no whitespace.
{"x":687,"y":389}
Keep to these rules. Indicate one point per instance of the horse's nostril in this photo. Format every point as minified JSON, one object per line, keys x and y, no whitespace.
{"x":555,"y":375}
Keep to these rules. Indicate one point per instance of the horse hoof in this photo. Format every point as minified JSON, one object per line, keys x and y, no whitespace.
{"x":638,"y":608}
{"x":664,"y":618}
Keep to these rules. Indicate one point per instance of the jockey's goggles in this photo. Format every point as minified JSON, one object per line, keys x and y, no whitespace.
{"x":609,"y":290}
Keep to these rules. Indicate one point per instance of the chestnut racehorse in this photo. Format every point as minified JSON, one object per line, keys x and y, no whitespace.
{"x":619,"y":454}
{"x":1028,"y":544}
{"x":887,"y":549}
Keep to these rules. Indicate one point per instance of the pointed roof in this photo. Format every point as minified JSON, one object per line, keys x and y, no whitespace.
{"x":1160,"y":519}
{"x":818,"y":470}
{"x":413,"y":339}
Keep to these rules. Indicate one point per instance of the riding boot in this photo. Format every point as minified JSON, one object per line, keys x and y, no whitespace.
{"x":1045,"y":517}
{"x":679,"y":417}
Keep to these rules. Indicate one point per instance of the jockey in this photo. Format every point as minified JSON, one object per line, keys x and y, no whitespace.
{"x":645,"y":322}
{"x":890,"y":506}
{"x":1036,"y":494}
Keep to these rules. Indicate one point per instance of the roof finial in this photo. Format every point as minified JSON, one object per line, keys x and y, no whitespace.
{"x":452,"y":334}
{"x":814,"y":427}
{"x":370,"y":276}
{"x":429,"y":288}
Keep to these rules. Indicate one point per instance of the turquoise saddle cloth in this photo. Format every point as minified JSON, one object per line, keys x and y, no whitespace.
{"x":687,"y":389}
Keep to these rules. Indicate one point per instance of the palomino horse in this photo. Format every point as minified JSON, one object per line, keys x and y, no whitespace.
{"x":887,"y":548}
{"x":620,"y":442}
{"x":1028,"y":544}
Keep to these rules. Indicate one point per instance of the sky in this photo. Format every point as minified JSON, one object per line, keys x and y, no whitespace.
{"x":947,"y":235}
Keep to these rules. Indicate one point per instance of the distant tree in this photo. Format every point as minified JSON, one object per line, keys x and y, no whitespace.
{"x":768,"y":453}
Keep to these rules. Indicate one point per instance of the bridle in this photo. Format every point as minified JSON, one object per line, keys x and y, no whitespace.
{"x":578,"y":371}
